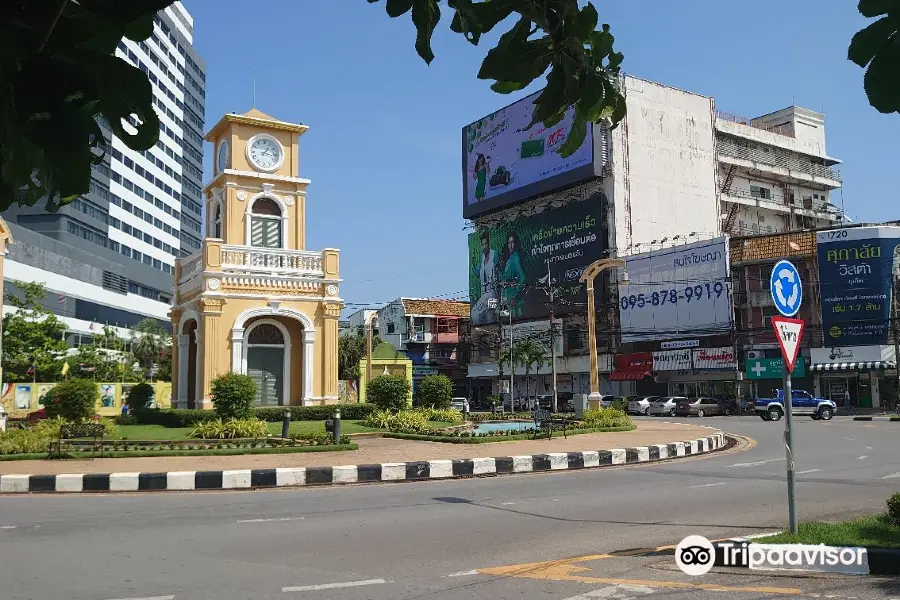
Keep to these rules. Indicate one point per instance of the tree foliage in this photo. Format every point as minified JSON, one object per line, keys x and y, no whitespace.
{"x":388,"y":392}
{"x":58,"y":73}
{"x":73,"y":400}
{"x":351,"y":350}
{"x":876,"y":48}
{"x":435,"y":391}
{"x":234,"y":395}
{"x":149,"y":343}
{"x":32,"y":335}
{"x":548,"y":34}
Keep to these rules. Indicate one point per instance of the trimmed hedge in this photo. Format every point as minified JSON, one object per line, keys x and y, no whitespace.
{"x":511,"y":437}
{"x":193,"y":417}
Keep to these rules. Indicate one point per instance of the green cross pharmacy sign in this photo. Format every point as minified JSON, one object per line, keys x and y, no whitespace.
{"x":771,"y":368}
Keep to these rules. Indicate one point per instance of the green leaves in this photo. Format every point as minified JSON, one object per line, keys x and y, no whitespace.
{"x":58,"y":73}
{"x":549,"y":34}
{"x":877,"y":49}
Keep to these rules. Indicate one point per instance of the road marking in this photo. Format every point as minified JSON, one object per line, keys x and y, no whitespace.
{"x":706,"y":485}
{"x":869,"y":448}
{"x":807,"y":472}
{"x":616,"y":592}
{"x":509,"y":504}
{"x":150,"y":598}
{"x":891,"y":476}
{"x":331,"y":586}
{"x":849,"y":439}
{"x":8,"y":526}
{"x":463,"y":573}
{"x":272,"y":520}
{"x":863,"y":457}
{"x":759,"y":462}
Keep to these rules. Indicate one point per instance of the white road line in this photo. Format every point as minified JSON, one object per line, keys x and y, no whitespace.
{"x":869,"y":448}
{"x":331,"y":586}
{"x":894,"y":476}
{"x":150,"y":598}
{"x":272,"y":520}
{"x":807,"y":471}
{"x":464,"y":573}
{"x":8,"y":526}
{"x":509,"y":504}
{"x":849,"y":439}
{"x":706,"y":485}
{"x":863,"y":457}
{"x":757,"y":463}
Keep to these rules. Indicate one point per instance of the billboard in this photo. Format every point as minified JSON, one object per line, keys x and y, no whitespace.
{"x":857,"y":268}
{"x":504,"y":162}
{"x":508,"y":262}
{"x":677,"y":292}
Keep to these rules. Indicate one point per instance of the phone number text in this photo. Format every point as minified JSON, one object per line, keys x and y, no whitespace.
{"x":694,"y":293}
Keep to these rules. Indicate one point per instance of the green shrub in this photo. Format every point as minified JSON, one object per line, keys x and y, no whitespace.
{"x":110,"y":429}
{"x":404,"y":421}
{"x":317,"y":413}
{"x":495,"y":400}
{"x":31,"y":439}
{"x":141,"y":397}
{"x":388,"y":392}
{"x":605,"y":417}
{"x":219,"y":429}
{"x":893,"y":506}
{"x":233,"y":395}
{"x":128,"y":419}
{"x":444,"y":415}
{"x":73,"y":400}
{"x":380,"y":419}
{"x":620,"y":404}
{"x":435,"y":391}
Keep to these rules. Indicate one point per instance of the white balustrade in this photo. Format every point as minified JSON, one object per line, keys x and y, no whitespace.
{"x":246,"y":259}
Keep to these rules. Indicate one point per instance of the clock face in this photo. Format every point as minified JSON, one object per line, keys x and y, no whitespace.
{"x":265,"y":153}
{"x":222,"y":156}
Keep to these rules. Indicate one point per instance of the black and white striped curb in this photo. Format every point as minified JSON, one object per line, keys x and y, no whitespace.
{"x":374,"y":473}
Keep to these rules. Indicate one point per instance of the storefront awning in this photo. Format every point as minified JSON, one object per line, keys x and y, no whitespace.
{"x":853,"y":366}
{"x":628,"y":375}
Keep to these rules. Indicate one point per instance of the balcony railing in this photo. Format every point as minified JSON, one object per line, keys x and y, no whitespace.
{"x":248,"y":259}
{"x":784,"y":130}
{"x":730,"y":147}
{"x":777,"y":197}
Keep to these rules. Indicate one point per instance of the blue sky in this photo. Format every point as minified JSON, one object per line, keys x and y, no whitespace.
{"x":383,"y":149}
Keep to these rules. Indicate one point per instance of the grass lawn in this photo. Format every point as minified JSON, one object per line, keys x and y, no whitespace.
{"x":158,"y":432}
{"x":874,"y":531}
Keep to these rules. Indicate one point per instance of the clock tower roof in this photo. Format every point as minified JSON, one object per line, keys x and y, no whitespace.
{"x":255,"y":118}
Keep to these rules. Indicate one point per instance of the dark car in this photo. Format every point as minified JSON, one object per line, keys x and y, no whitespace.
{"x":699,"y":407}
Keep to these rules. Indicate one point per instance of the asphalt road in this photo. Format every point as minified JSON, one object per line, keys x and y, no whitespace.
{"x":427,"y":540}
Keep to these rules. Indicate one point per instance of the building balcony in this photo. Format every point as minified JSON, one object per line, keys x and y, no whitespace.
{"x":776,"y":163}
{"x":777,"y":202}
{"x":250,"y":269}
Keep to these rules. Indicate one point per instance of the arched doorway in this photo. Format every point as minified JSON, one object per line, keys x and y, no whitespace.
{"x":187,"y":357}
{"x":268,"y":361}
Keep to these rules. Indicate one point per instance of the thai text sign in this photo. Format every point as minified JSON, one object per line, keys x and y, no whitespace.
{"x":773,"y":368}
{"x":715,"y":358}
{"x":672,"y":360}
{"x":857,"y":268}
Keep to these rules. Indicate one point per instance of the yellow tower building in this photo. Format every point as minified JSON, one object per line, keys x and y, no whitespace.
{"x":253,"y":299}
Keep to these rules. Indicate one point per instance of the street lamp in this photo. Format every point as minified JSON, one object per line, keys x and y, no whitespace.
{"x":588,"y":277}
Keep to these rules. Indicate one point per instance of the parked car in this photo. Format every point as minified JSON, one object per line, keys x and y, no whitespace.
{"x":699,"y":407}
{"x":803,"y":403}
{"x":665,"y":406}
{"x":640,"y":405}
{"x":606,"y":401}
{"x":460,"y":404}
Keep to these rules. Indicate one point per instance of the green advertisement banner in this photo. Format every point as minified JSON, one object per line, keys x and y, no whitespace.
{"x":508,"y":263}
{"x":772,"y":368}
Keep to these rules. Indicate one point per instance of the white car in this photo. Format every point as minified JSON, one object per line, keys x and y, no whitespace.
{"x":665,"y":406}
{"x":460,"y":404}
{"x":640,"y":405}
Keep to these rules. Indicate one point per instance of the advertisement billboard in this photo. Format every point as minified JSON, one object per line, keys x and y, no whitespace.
{"x":857,"y":268}
{"x":677,"y":292}
{"x":508,"y":262}
{"x":505,"y":162}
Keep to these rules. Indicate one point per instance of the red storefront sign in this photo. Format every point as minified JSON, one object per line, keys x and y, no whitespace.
{"x":632,"y":367}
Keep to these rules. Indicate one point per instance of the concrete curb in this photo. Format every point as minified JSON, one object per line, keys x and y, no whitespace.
{"x":881,"y":561}
{"x":894,"y":419}
{"x":336,"y":475}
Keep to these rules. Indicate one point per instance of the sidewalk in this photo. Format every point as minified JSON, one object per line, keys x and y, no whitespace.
{"x":371,"y":451}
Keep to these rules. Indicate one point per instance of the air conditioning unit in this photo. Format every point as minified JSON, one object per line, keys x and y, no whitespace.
{"x":755,"y":354}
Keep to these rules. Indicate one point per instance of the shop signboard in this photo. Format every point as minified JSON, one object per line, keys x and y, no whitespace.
{"x":715,"y":358}
{"x":673,"y":345}
{"x":772,"y":368}
{"x":857,"y":268}
{"x":672,"y":360}
{"x":679,"y":292}
{"x":505,"y":161}
{"x":851,"y":354}
{"x":509,"y":262}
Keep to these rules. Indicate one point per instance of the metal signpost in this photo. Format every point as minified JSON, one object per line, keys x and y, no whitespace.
{"x":787,"y":294}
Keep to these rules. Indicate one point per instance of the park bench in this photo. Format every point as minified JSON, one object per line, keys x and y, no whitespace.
{"x":74,"y":431}
{"x":544,"y":421}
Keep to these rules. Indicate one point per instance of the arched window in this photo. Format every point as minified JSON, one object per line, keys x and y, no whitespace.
{"x":266,"y":334}
{"x":217,"y":221}
{"x":265,"y":224}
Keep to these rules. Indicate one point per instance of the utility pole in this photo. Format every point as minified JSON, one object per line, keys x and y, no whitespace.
{"x":552,"y":339}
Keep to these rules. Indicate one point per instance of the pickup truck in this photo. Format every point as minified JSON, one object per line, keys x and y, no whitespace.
{"x":804,"y":403}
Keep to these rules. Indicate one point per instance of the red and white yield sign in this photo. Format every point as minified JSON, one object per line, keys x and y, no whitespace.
{"x":789,"y":333}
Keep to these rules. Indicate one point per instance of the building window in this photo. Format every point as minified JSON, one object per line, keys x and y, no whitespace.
{"x":757,"y":191}
{"x":391,"y":327}
{"x":217,"y":221}
{"x":265,"y":224}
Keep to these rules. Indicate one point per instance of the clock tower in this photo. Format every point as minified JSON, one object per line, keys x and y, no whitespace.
{"x":253,"y":299}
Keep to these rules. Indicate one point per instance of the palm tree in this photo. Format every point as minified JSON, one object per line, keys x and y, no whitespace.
{"x":533,"y":355}
{"x":514,"y":357}
{"x":148,"y":342}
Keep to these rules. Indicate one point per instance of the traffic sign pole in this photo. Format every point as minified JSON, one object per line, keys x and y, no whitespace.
{"x":787,"y":294}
